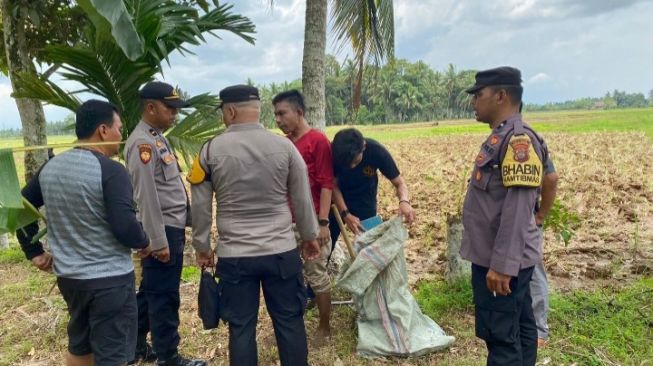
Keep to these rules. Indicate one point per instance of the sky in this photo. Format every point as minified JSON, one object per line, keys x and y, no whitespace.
{"x":566,"y":49}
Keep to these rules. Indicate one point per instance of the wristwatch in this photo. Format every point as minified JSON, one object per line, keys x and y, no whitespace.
{"x":323,"y":222}
{"x":344,"y":213}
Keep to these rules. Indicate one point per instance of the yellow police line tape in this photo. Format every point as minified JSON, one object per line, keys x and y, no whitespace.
{"x":56,"y":146}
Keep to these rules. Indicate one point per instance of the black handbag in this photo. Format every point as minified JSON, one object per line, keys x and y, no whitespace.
{"x":208,"y":300}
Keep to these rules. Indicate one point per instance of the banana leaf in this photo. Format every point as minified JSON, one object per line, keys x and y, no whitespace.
{"x":15,"y":211}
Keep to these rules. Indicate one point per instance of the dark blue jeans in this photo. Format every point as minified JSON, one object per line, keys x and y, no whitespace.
{"x":158,"y":296}
{"x":506,"y":323}
{"x":240,"y":284}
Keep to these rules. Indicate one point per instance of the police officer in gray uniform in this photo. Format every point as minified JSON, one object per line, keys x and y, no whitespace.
{"x":163,"y":208}
{"x":500,"y":237}
{"x":253,"y":174}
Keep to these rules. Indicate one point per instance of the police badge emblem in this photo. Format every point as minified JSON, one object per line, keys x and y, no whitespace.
{"x":520,"y":149}
{"x":145,"y":153}
{"x":494,"y":139}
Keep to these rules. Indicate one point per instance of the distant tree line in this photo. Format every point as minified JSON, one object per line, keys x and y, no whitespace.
{"x":616,"y":99}
{"x":402,"y":91}
{"x":397,"y":92}
{"x":56,"y":128}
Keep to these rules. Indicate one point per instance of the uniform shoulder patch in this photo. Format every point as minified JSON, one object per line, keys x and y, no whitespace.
{"x":494,"y":139}
{"x":145,"y":153}
{"x":521,"y":166}
{"x":197,"y":174}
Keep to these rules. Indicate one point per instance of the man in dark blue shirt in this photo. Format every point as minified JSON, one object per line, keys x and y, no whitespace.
{"x":356,"y":161}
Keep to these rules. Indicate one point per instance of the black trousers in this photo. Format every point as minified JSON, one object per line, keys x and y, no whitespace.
{"x":158,"y":297}
{"x":280,"y":275}
{"x":506,"y":323}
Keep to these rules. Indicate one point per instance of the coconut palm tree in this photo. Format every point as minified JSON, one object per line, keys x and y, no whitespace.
{"x":367,"y":26}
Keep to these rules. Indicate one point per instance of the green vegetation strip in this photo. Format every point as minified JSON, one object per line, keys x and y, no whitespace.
{"x":611,"y":325}
{"x":622,"y":120}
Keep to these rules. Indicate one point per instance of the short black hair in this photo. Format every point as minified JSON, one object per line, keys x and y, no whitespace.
{"x":92,"y":114}
{"x":515,"y":92}
{"x":346,"y":145}
{"x":293,"y":97}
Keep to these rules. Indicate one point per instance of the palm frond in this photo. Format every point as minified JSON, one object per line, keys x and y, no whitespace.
{"x":32,"y":86}
{"x":112,"y":16}
{"x":366,"y":25}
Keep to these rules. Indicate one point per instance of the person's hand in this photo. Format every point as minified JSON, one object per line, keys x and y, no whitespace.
{"x":324,"y":237}
{"x":43,"y":262}
{"x":354,"y":224}
{"x":145,"y":252}
{"x":539,"y":219}
{"x":162,"y":255}
{"x":205,"y":259}
{"x":310,"y":250}
{"x":407,"y":211}
{"x":498,"y":283}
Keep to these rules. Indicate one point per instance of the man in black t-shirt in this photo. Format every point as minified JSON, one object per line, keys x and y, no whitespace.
{"x":355,"y":163}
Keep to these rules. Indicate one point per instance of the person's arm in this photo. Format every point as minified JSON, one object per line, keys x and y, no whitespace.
{"x":324,"y":179}
{"x":145,"y":194}
{"x":119,"y":202}
{"x":338,"y":200}
{"x":349,"y":219}
{"x":405,"y":208}
{"x":324,"y":174}
{"x":201,"y":209}
{"x":33,"y":251}
{"x":549,"y":190}
{"x":300,"y":196}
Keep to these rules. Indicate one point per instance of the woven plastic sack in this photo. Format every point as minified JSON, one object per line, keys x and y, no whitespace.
{"x":390,"y":322}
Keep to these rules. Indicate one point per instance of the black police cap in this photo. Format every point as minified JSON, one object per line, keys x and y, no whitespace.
{"x":164,"y":92}
{"x":238,"y":93}
{"x":504,"y":75}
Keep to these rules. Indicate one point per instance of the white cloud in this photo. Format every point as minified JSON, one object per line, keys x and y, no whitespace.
{"x":539,"y":78}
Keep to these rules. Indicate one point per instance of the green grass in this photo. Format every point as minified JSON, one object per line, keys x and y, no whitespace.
{"x":438,"y":299}
{"x":11,"y":255}
{"x":190,"y":274}
{"x":559,"y":121}
{"x":595,"y":121}
{"x":610,"y":325}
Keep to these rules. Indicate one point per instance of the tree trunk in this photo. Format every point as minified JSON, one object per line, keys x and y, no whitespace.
{"x":31,"y":111}
{"x":313,"y":70}
{"x":358,"y":87}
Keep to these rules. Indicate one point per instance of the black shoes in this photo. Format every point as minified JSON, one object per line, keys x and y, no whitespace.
{"x":145,"y":353}
{"x":177,"y":360}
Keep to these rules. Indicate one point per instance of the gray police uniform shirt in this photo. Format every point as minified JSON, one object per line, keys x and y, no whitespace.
{"x":158,"y":187}
{"x":253,"y":173}
{"x":499,"y":226}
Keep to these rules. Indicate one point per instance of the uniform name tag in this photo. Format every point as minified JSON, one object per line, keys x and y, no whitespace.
{"x":521,"y":167}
